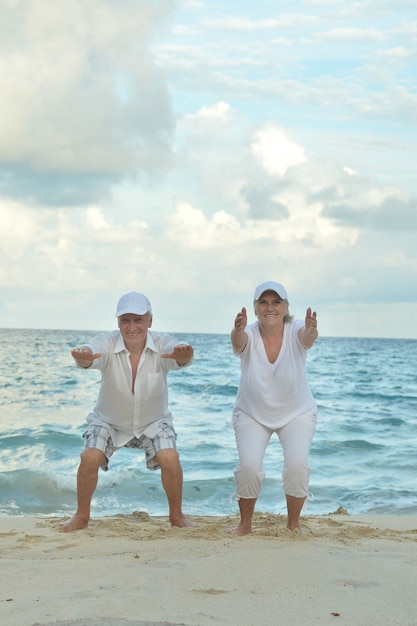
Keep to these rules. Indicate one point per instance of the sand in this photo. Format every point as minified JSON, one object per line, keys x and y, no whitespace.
{"x":136,"y":570}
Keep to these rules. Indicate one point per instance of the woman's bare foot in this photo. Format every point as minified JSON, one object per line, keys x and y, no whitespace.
{"x":241,"y":529}
{"x":295,"y":529}
{"x":75,"y":523}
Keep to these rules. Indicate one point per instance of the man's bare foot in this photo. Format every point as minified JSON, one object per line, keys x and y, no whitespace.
{"x":75,"y":523}
{"x":181,"y":522}
{"x":241,"y":529}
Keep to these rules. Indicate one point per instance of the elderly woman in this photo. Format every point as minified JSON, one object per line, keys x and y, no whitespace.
{"x":273,"y":397}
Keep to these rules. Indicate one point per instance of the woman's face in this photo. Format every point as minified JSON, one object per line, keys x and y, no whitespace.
{"x":270,"y":308}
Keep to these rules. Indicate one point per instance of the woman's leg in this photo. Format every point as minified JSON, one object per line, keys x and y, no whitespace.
{"x":296,"y":438}
{"x":251,"y":441}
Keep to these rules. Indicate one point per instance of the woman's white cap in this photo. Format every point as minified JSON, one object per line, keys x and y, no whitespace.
{"x":270,"y":285}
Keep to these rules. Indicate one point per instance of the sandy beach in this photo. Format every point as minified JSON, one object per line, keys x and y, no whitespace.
{"x":136,"y":570}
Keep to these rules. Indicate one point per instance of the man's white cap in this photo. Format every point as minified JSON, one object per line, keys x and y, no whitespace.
{"x":133,"y":302}
{"x":270,"y":285}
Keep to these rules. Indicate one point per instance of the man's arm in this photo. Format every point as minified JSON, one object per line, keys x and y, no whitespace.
{"x":182,"y":354}
{"x":84,"y":356}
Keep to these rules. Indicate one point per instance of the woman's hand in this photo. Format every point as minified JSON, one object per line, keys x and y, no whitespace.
{"x":309,"y":333}
{"x":311,"y":322}
{"x":241,"y":320}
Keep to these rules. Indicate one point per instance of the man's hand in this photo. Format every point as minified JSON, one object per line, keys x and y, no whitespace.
{"x":84,"y":356}
{"x":181,"y":354}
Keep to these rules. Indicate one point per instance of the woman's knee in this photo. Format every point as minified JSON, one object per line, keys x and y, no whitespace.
{"x":296,"y":480}
{"x":248,"y":481}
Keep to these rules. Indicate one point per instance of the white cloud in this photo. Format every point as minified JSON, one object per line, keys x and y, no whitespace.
{"x":190,"y":227}
{"x":398,"y":52}
{"x":276,"y":151}
{"x":292,"y":158}
{"x":18,"y":226}
{"x":353,"y":34}
{"x":218,"y":110}
{"x":96,"y":219}
{"x":80,"y":92}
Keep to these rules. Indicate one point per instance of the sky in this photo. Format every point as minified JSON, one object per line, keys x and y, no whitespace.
{"x":190,"y":150}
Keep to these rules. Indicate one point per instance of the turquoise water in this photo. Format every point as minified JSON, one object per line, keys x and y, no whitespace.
{"x":364,"y":454}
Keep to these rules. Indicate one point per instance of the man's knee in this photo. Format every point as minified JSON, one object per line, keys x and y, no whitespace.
{"x":92,"y":458}
{"x":168,"y":459}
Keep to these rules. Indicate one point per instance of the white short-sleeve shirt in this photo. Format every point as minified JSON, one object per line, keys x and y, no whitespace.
{"x":274,"y":393}
{"x":124,"y":413}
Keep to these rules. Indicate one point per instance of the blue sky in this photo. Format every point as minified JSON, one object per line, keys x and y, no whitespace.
{"x":192,"y":150}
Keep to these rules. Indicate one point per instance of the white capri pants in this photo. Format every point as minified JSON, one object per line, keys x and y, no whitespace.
{"x":252,"y":439}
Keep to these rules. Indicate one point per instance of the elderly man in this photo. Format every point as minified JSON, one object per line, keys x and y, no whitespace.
{"x":132,"y":407}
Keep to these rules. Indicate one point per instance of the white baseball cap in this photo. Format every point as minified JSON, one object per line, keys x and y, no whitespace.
{"x":270,"y":285}
{"x":133,"y":302}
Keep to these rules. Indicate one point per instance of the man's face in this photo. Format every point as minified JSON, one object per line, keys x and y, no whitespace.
{"x":134,"y":326}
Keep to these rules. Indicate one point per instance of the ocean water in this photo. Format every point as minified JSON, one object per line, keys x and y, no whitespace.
{"x":363,"y":457}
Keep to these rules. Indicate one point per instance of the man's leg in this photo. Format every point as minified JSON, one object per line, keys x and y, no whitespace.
{"x":87,"y":476}
{"x":171,"y":476}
